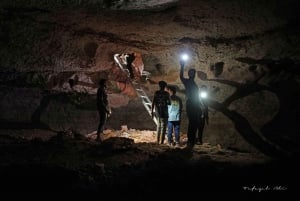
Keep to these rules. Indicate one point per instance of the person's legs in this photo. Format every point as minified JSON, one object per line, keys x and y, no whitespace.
{"x":129,"y":67}
{"x":164,"y":128}
{"x":192,"y":129}
{"x":192,"y":114}
{"x":102,"y":120}
{"x":200,"y":130}
{"x":177,"y":131}
{"x":158,"y":129}
{"x":170,"y":131}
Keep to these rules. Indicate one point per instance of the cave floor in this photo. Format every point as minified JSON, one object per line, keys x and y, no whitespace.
{"x":129,"y":165}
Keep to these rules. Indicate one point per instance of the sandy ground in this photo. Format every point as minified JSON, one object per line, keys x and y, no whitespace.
{"x":129,"y":165}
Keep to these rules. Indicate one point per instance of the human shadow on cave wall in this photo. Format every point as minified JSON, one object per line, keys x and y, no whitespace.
{"x":281,"y":133}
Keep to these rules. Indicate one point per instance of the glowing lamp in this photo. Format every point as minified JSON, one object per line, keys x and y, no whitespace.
{"x":203,"y":94}
{"x":184,"y":57}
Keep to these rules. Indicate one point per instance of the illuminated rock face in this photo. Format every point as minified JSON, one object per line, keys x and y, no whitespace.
{"x":246,"y":53}
{"x":139,"y":4}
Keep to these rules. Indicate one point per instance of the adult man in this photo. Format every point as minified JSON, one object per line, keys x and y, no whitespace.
{"x":129,"y":59}
{"x":204,"y":114}
{"x":160,"y":102}
{"x":193,"y":108}
{"x":103,"y":107}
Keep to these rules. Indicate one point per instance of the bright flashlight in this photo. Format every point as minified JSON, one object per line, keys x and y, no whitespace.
{"x":184,"y":57}
{"x":203,"y":94}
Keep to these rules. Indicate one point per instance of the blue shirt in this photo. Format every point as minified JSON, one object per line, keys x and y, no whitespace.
{"x":174,"y":110}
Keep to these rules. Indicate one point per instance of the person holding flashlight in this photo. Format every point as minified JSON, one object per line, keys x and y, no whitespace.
{"x":204,"y":113}
{"x":193,"y":105}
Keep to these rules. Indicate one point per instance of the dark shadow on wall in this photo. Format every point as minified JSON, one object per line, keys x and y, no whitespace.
{"x":284,"y":127}
{"x":282,"y":132}
{"x":133,"y":115}
{"x":244,"y":128}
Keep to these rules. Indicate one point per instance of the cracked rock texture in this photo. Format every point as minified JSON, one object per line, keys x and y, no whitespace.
{"x":246,"y":52}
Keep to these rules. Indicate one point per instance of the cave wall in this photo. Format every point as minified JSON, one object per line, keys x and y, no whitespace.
{"x":246,"y":52}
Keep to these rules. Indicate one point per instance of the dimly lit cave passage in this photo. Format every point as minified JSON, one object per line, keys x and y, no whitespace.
{"x":53,"y":54}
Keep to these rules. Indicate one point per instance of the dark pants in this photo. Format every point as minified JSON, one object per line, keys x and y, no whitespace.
{"x":200,"y":130}
{"x":102,"y":120}
{"x":129,"y":67}
{"x":161,"y":129}
{"x":195,"y":122}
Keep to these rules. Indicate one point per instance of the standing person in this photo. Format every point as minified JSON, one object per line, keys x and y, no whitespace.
{"x":193,"y":109}
{"x":102,"y":106}
{"x":204,"y":113}
{"x":160,"y":102}
{"x":174,"y":111}
{"x":129,"y":59}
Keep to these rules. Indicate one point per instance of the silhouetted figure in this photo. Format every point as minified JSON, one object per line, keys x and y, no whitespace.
{"x":71,"y":83}
{"x":204,"y":113}
{"x":174,"y":112}
{"x":193,"y":109}
{"x":129,"y":59}
{"x":160,"y":102}
{"x":103,"y":107}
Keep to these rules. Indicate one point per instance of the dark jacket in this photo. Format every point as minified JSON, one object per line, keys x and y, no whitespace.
{"x":102,"y":102}
{"x":161,"y":100}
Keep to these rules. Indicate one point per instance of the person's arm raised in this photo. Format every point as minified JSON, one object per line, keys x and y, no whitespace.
{"x":182,"y":70}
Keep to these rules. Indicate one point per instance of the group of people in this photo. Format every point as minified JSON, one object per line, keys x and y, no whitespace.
{"x":167,"y":108}
{"x":196,"y":107}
